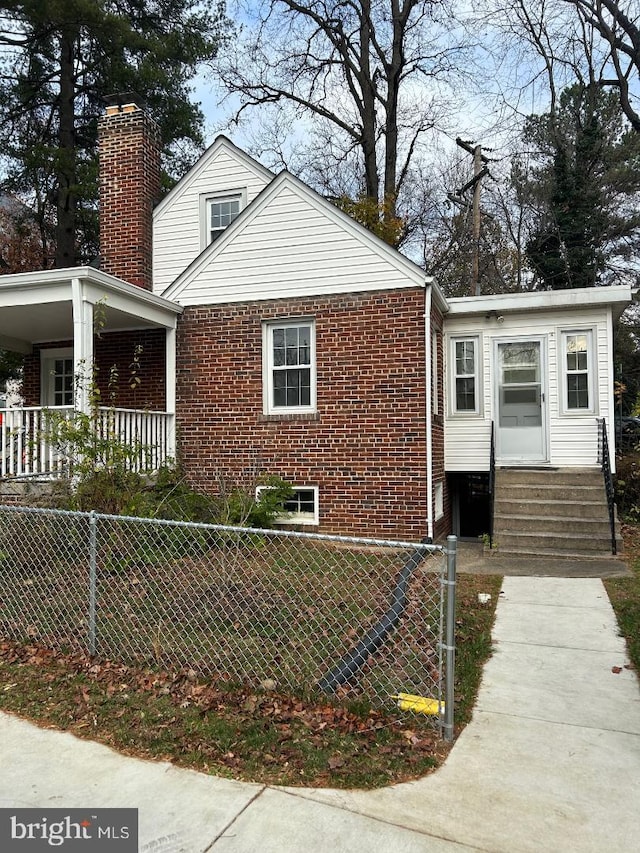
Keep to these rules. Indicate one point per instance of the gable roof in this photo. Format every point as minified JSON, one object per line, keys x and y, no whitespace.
{"x":290,"y":241}
{"x":220,"y":144}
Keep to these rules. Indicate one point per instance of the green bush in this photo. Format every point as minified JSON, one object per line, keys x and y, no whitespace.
{"x":169,"y":496}
{"x":99,"y":464}
{"x":240,"y":507}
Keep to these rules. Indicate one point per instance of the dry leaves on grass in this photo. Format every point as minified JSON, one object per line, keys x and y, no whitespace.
{"x":308,"y":741}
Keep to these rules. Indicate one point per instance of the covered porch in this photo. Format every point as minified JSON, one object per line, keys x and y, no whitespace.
{"x":93,"y":344}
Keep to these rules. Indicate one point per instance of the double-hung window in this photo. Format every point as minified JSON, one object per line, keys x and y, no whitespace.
{"x":217,"y":212}
{"x":289,"y":367}
{"x":465,"y":377}
{"x":220,"y":213}
{"x":435,"y":374}
{"x":578,"y":373}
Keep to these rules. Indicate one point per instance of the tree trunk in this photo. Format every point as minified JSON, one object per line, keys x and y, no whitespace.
{"x":368,"y":107}
{"x":393,"y":73}
{"x":66,"y":162}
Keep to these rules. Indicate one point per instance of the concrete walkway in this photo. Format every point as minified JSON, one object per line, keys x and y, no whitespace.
{"x":551,"y":761}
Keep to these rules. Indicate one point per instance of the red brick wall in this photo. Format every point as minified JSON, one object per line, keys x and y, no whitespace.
{"x":119,"y":349}
{"x":129,"y":187}
{"x":366,"y":446}
{"x":115,"y":349}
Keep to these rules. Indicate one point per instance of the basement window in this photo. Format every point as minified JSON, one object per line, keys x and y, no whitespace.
{"x":300,"y":508}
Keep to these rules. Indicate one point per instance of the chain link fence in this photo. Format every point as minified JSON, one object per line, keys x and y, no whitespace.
{"x":312,"y":614}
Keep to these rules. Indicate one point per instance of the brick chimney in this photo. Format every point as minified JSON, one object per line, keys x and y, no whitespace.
{"x":129,"y":153}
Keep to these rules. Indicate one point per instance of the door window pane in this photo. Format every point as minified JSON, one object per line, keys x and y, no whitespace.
{"x":62,"y":382}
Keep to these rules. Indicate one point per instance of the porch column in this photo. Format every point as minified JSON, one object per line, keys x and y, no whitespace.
{"x":82,"y":345}
{"x":170,"y":388}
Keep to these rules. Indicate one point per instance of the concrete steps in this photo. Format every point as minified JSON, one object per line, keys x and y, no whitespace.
{"x":550,"y":512}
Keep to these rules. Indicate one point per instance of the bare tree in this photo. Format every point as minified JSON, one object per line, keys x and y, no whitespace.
{"x":452,"y":252}
{"x":618,"y":25}
{"x":363,"y":81}
{"x":543,"y":46}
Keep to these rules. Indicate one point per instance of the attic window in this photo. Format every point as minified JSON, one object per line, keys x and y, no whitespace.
{"x":220,"y":213}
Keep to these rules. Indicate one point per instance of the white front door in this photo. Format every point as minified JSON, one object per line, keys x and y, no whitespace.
{"x":520,"y":401}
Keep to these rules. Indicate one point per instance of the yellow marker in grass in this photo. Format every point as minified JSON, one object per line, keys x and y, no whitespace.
{"x":419,"y":704}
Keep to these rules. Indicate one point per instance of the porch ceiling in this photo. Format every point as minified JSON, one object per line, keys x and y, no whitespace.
{"x":53,"y":321}
{"x":39,"y":307}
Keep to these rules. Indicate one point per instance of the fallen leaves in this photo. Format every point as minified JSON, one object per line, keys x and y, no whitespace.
{"x":250,"y":733}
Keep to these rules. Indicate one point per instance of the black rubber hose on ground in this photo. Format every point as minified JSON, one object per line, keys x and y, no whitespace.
{"x":349,"y":665}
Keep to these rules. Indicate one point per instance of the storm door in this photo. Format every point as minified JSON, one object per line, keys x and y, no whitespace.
{"x":520,"y":398}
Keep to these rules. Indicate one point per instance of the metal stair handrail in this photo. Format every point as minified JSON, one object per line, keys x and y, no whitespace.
{"x":605,"y":463}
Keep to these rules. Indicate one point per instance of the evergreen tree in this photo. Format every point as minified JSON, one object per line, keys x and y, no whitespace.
{"x":583,"y":189}
{"x":60,"y":58}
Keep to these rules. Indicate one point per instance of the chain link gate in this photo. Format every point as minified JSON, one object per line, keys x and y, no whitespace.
{"x":339,"y":616}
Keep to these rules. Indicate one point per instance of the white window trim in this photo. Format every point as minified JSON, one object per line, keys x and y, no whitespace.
{"x":206,"y":199}
{"x":298,"y":518}
{"x":47,"y":357}
{"x":267,"y":367}
{"x":452,"y":376}
{"x":590,"y":333}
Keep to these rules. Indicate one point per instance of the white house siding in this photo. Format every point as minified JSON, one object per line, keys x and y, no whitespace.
{"x":293,"y":244}
{"x":177,"y":229}
{"x":572,"y":440}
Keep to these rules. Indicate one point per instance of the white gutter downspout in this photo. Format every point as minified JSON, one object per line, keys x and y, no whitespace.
{"x":429,"y":391}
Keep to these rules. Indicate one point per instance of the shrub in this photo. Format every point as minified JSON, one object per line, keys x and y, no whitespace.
{"x":169,"y":496}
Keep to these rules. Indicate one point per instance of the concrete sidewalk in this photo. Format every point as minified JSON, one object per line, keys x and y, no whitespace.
{"x":551,"y":761}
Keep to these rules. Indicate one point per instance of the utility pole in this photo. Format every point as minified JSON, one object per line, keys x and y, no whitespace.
{"x":479,"y":171}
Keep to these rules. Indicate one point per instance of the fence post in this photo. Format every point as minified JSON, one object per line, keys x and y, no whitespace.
{"x":93,"y":560}
{"x":450,"y":638}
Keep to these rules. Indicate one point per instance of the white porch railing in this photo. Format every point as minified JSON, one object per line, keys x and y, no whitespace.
{"x":28,"y":448}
